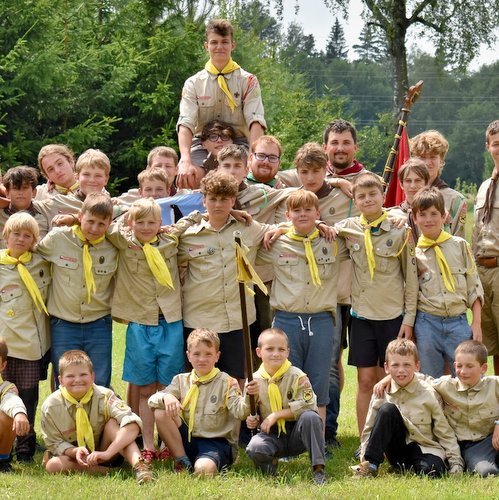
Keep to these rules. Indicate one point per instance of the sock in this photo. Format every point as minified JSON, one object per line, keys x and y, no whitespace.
{"x":4,"y":458}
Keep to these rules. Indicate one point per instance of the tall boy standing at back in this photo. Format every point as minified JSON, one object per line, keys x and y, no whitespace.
{"x":486,"y":246}
{"x":384,"y":266}
{"x":221,"y":90}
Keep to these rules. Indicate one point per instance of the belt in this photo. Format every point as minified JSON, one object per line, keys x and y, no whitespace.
{"x":487,"y":261}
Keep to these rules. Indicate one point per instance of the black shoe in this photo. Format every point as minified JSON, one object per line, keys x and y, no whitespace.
{"x":332,"y":442}
{"x":5,"y":466}
{"x":25,"y":458}
{"x":319,"y":477}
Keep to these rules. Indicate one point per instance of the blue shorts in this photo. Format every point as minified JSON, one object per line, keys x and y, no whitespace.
{"x":310,"y":338}
{"x":217,"y":450}
{"x":153,"y":353}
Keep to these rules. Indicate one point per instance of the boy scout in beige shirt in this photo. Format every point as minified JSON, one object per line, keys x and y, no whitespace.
{"x":384,"y":285}
{"x":24,"y":284}
{"x":407,"y":424}
{"x":86,"y":426}
{"x":13,"y":414}
{"x":79,"y":302}
{"x":196,"y":414}
{"x":448,"y":286}
{"x":486,"y":246}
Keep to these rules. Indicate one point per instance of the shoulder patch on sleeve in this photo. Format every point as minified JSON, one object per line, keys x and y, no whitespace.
{"x":304,"y":382}
{"x":308,"y":394}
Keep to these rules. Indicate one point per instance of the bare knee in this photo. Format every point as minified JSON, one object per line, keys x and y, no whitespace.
{"x":55,"y":466}
{"x":205,"y":466}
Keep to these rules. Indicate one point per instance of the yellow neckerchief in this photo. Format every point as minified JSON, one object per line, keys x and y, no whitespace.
{"x":65,"y":190}
{"x":222,"y":83}
{"x":84,"y":431}
{"x":274,"y":393}
{"x":309,"y":253}
{"x":191,"y":398}
{"x":245,"y":272}
{"x":26,"y":277}
{"x":157,"y":264}
{"x":368,"y":244}
{"x":87,"y":260}
{"x":424,"y":242}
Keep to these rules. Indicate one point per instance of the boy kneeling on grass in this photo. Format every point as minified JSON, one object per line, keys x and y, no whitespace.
{"x":13,"y":414}
{"x":196,"y":414}
{"x":287,"y":405}
{"x":407,"y":424}
{"x":86,"y":426}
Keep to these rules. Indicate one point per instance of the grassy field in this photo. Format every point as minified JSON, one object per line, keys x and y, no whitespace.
{"x":242,"y":482}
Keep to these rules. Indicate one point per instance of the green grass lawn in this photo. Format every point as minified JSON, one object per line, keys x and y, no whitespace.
{"x":242,"y":482}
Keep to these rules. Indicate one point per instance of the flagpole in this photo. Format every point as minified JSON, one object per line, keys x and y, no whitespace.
{"x":412,"y":94}
{"x":248,"y":355}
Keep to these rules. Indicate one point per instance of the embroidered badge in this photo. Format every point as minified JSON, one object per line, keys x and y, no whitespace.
{"x":389,"y":243}
{"x":10,"y":313}
{"x":307,"y":395}
{"x":213,"y":398}
{"x":211,"y":251}
{"x":289,"y":395}
{"x":67,"y":258}
{"x":121,"y":406}
{"x":356,"y":247}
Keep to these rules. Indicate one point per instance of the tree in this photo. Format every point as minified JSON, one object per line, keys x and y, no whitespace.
{"x":371,"y":46}
{"x":457,"y":27}
{"x":336,"y":47}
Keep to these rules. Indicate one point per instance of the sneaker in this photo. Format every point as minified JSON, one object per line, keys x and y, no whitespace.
{"x":364,"y":469}
{"x":143,"y":471}
{"x":163,"y":454}
{"x":319,"y":477}
{"x":148,"y":455}
{"x":183,"y":464}
{"x":5,"y":466}
{"x":46,"y":457}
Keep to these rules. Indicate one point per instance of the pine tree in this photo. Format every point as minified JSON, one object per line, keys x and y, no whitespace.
{"x":336,"y":47}
{"x":371,"y":46}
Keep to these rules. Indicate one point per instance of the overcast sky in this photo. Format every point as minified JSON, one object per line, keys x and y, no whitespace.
{"x":317,"y":20}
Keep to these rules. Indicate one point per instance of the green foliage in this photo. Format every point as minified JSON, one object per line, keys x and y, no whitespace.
{"x":336,"y":47}
{"x":468,"y":189}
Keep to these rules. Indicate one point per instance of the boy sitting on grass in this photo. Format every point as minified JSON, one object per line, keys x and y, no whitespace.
{"x":86,"y":426}
{"x":407,"y":424}
{"x":13,"y":414}
{"x":289,"y":422}
{"x":196,"y":413}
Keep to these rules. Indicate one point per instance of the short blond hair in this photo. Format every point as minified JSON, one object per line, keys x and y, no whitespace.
{"x":271,"y":331}
{"x":204,"y":335}
{"x":21,"y":221}
{"x":402,"y":347}
{"x":430,"y":142}
{"x":74,"y":357}
{"x":49,"y":149}
{"x":366,"y":180}
{"x":416,"y":166}
{"x":93,"y":158}
{"x":143,"y":208}
{"x":153,"y":174}
{"x":98,"y":204}
{"x":311,"y":155}
{"x":302,"y":198}
{"x":162,"y":151}
{"x":235,"y":151}
{"x":475,"y":348}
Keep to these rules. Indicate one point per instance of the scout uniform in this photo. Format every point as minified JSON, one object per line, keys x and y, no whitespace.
{"x":10,"y":403}
{"x":455,"y":204}
{"x":58,"y":419}
{"x":423,"y":418}
{"x":486,"y":251}
{"x":34,"y":210}
{"x":305,"y":433}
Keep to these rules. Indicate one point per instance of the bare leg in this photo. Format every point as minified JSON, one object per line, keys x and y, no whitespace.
{"x":63,"y":464}
{"x":133,"y":397}
{"x":169,"y":433}
{"x":205,"y":467}
{"x":366,"y":378}
{"x":7,"y":435}
{"x":146,"y":414}
{"x":116,"y":439}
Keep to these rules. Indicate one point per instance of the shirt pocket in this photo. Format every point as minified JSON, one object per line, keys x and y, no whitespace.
{"x":66,"y":269}
{"x":459,"y":275}
{"x":325,"y":264}
{"x":204,"y":261}
{"x":213,"y":416}
{"x":10,"y":293}
{"x":384,"y":256}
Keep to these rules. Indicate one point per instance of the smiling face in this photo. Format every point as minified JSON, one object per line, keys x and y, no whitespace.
{"x":153,"y":188}
{"x":93,"y":227}
{"x":21,"y":198}
{"x":265,"y":170}
{"x":430,"y":222}
{"x":468,"y":369}
{"x":340,"y":149}
{"x":273,"y":351}
{"x":303,"y":218}
{"x":202,"y":357}
{"x":92,"y":180}
{"x":77,"y":379}
{"x":58,"y":169}
{"x":20,"y":241}
{"x":401,"y":368}
{"x":219,"y":48}
{"x":145,"y":228}
{"x":369,"y":201}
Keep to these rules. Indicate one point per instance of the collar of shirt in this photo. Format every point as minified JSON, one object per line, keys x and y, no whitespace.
{"x":325,"y":189}
{"x":464,"y":388}
{"x":205,"y":225}
{"x":410,"y":387}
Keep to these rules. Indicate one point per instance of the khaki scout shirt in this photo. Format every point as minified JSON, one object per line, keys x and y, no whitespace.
{"x":471,"y":411}
{"x":261,"y":201}
{"x":203,"y":101}
{"x":59,"y":204}
{"x":455,"y":204}
{"x":58,"y":418}
{"x":68,"y":299}
{"x":24,"y":327}
{"x":293,"y":289}
{"x":219,"y":405}
{"x":423,"y":417}
{"x":10,"y":402}
{"x":210,"y":291}
{"x":296,"y":392}
{"x":41,"y":219}
{"x":138,"y":296}
{"x":433,"y":297}
{"x":486,"y":236}
{"x":394,"y":288}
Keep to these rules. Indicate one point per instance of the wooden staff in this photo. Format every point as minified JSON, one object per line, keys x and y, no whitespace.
{"x":411,"y":97}
{"x":246,"y":333}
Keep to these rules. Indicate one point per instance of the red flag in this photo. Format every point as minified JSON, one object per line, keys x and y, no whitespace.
{"x":394,"y":193}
